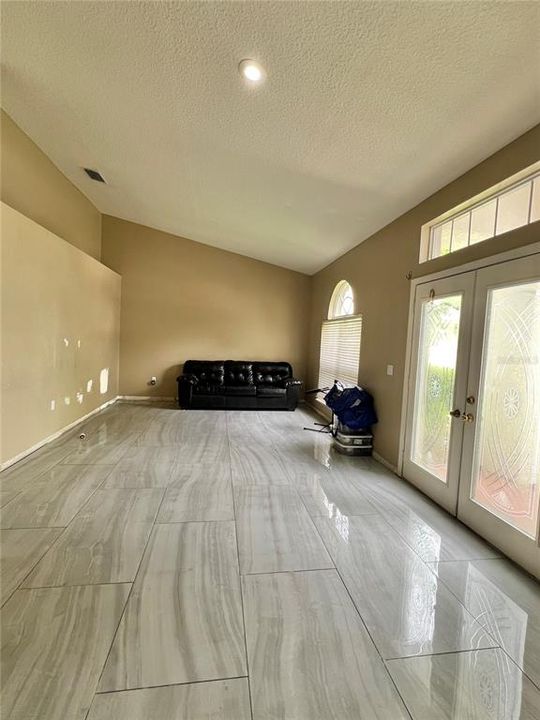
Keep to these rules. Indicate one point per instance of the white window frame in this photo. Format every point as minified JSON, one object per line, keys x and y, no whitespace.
{"x":338,"y":319}
{"x":335,"y":307}
{"x":527,"y":175}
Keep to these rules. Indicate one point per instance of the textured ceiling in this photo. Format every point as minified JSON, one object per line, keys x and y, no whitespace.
{"x":368,"y":108}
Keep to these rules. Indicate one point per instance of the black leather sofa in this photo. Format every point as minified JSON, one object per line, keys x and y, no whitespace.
{"x":235,"y":384}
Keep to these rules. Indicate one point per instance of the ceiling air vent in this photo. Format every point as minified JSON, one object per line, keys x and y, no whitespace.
{"x":98,"y":177}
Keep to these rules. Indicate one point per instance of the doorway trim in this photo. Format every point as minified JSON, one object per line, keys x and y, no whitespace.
{"x":514,"y":254}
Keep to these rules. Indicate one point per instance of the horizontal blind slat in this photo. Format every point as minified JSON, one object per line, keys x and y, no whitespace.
{"x":340,"y":351}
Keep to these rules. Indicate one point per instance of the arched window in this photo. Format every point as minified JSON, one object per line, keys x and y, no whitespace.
{"x":340,"y":339}
{"x":342,"y":301}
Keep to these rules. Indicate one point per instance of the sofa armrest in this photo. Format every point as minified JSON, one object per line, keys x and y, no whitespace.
{"x":185,"y":389}
{"x":292,"y":382}
{"x":191,"y":379}
{"x":293,"y":388}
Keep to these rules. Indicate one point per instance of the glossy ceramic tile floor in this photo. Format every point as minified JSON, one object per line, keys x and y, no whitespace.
{"x":228,"y":565}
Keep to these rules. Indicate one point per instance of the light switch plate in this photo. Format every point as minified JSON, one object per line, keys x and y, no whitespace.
{"x":389,"y":369}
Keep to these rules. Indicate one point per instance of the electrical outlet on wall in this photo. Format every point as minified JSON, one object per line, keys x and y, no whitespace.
{"x":389,"y":369}
{"x":153,"y":380}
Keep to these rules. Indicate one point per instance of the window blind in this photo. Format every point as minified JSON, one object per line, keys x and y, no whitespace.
{"x":340,"y":351}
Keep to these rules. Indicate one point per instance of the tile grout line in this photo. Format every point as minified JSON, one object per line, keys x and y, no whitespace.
{"x":155,"y":524}
{"x":128,"y":597}
{"x":281,"y":572}
{"x":61,"y":534}
{"x":444,"y":652}
{"x":61,"y":527}
{"x":56,"y":587}
{"x":240,"y":583}
{"x":472,"y":650}
{"x":179,"y":684}
{"x":429,"y":565}
{"x":393,"y":682}
{"x":486,"y":630}
{"x":10,"y":501}
{"x":36,"y":527}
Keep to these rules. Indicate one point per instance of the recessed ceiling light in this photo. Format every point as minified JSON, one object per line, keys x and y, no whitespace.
{"x":251,"y":71}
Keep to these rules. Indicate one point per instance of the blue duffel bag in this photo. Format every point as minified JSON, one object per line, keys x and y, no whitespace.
{"x":352,"y":406}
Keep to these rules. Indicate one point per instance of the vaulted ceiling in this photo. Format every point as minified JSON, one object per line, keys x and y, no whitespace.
{"x":368,"y":108}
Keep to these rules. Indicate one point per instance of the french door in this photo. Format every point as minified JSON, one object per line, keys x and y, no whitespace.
{"x":441,"y":339}
{"x":473,"y":422}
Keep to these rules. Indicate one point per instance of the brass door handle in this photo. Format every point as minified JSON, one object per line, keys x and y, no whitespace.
{"x":467,"y":417}
{"x":455,"y":413}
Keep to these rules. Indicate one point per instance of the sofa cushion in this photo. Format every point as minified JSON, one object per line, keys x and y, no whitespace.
{"x":271,"y":374}
{"x":242,"y":390}
{"x":238,"y":372}
{"x":269,"y":391}
{"x":203,"y":388}
{"x":209,"y":373}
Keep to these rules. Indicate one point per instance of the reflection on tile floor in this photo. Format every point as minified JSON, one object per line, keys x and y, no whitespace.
{"x":236,"y":564}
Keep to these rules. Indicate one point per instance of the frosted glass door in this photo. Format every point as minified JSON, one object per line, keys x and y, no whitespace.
{"x":506,"y":467}
{"x":435,"y":384}
{"x":437,"y":387}
{"x":501,"y":452}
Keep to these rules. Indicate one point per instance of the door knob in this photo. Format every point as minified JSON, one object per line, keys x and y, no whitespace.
{"x":455,"y":413}
{"x":468,"y":417}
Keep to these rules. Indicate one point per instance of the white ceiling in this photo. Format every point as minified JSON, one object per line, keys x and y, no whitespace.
{"x":368,"y":108}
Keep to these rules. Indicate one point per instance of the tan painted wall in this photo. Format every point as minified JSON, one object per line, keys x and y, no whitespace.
{"x":59,"y":330}
{"x":34,"y":186}
{"x":376,"y":269}
{"x":183,"y":300}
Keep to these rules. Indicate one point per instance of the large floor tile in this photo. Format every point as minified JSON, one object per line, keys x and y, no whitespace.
{"x":201,"y":492}
{"x":209,"y":446}
{"x":54,"y":644}
{"x":94,"y":452}
{"x":161,"y":433}
{"x":20,"y":550}
{"x":104,"y":543}
{"x":55,"y":497}
{"x":257,"y":465}
{"x":310,"y":657}
{"x":18,"y":476}
{"x":275,"y":532}
{"x":477,"y":685}
{"x":218,"y":700}
{"x":183,"y":622}
{"x":429,"y":530}
{"x":332,"y":496}
{"x":505,"y":601}
{"x":407,"y":610}
{"x":143,"y":467}
{"x":6,"y":496}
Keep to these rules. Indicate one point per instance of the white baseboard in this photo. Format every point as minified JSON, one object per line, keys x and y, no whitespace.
{"x":145,"y":398}
{"x":324,"y":413}
{"x":380,"y":459}
{"x":55,"y":436}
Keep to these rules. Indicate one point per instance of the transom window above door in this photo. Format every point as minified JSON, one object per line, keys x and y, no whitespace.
{"x":512,"y":203}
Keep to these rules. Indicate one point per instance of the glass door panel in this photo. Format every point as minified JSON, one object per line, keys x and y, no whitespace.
{"x":506,"y":464}
{"x":499,"y":488}
{"x":435,"y":383}
{"x":437,"y":386}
